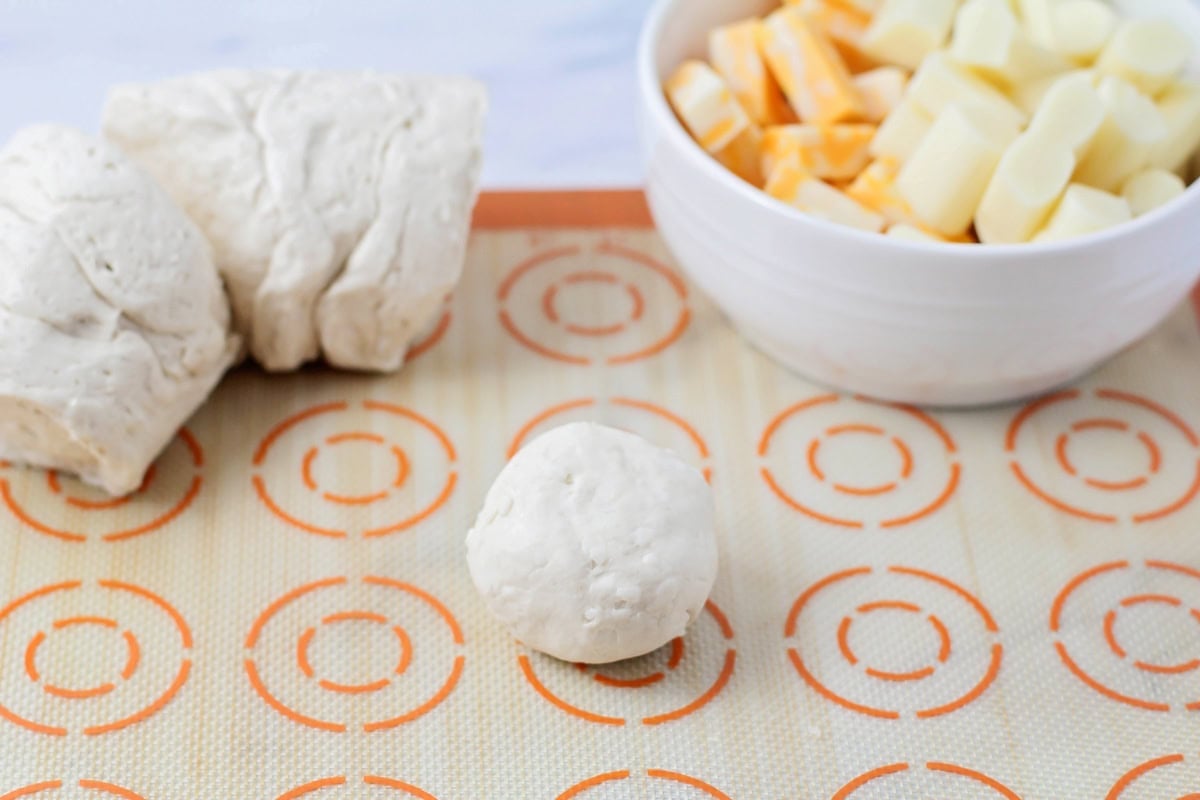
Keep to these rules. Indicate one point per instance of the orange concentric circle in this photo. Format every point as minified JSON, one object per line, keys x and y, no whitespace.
{"x":376,"y":785}
{"x":66,"y":509}
{"x":939,"y":778}
{"x":1129,"y":632}
{"x":368,"y":469}
{"x":1115,"y":456}
{"x":643,"y":690}
{"x":90,"y":788}
{"x":893,"y":643}
{"x":1180,"y":772}
{"x":604,"y":304}
{"x":88,"y":672}
{"x":649,"y":420}
{"x":858,"y":463}
{"x":603,"y":786}
{"x":378,"y":652}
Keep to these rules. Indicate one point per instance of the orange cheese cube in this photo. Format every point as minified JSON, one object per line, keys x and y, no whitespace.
{"x":794,"y":185}
{"x":708,"y":109}
{"x":834,"y":152}
{"x":733,"y":51}
{"x":812,"y":74}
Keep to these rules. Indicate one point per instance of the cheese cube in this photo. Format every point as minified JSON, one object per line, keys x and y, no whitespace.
{"x":902,"y":131}
{"x":881,"y":91}
{"x":940,"y":83}
{"x":875,"y":188}
{"x":793,"y":185}
{"x":1133,"y":126}
{"x":706,"y":106}
{"x":1038,"y":18}
{"x":1084,"y":210}
{"x":1027,"y":184}
{"x":912,"y":233}
{"x":945,"y":179}
{"x":1148,"y":53}
{"x":1071,"y":112}
{"x":844,"y":24}
{"x":810,"y":71}
{"x":835,"y":152}
{"x":1180,"y":107}
{"x":743,"y":156}
{"x":1082,"y":28}
{"x":988,"y":39}
{"x":1150,"y":189}
{"x":904,"y":32}
{"x":733,"y":51}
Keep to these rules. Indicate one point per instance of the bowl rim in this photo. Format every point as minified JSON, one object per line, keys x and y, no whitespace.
{"x":664,"y":119}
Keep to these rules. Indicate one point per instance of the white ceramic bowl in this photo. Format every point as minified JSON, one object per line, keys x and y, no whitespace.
{"x":920,"y":323}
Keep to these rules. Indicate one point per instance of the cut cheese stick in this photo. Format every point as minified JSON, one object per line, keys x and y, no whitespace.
{"x":1082,"y":28}
{"x":1027,"y":184}
{"x":1028,"y":96}
{"x":811,"y":72}
{"x":912,"y":233}
{"x":1038,"y":19}
{"x":881,"y":91}
{"x":1180,"y":107}
{"x":875,"y":188}
{"x":1084,"y":210}
{"x":940,"y":83}
{"x":833,"y":152}
{"x":904,"y":32}
{"x":1133,"y":126}
{"x":743,"y":156}
{"x":1150,"y":189}
{"x":1071,"y":112}
{"x":733,"y":51}
{"x":902,"y":131}
{"x":1147,"y":53}
{"x":797,"y":187}
{"x":706,"y":105}
{"x":946,"y":177}
{"x":843,"y":24}
{"x":989,"y":40}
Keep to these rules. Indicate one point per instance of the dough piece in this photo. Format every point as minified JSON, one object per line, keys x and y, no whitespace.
{"x":338,"y":204}
{"x":114,"y":321}
{"x":594,"y":545}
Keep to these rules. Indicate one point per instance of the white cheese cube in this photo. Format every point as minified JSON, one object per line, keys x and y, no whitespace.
{"x":1038,"y":18}
{"x":901,"y":132}
{"x":1071,"y":112}
{"x":1025,"y":188}
{"x":1084,"y":210}
{"x":881,"y":91}
{"x":1133,"y":126}
{"x":1150,"y":189}
{"x":1149,"y":53}
{"x":989,"y":40}
{"x":940,"y":83}
{"x":1082,"y":28}
{"x":904,"y":32}
{"x":1180,"y":107}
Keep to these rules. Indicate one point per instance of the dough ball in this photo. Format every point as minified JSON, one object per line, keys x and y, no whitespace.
{"x":338,"y":204}
{"x":114,"y":321}
{"x":594,"y":545}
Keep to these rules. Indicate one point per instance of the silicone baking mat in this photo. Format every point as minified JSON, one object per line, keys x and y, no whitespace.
{"x":998,"y":604}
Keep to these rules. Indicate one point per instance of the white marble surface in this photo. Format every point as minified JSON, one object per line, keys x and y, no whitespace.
{"x":561,"y":72}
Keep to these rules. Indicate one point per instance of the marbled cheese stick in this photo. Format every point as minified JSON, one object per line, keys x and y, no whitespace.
{"x":1082,"y":28}
{"x":843,"y":24}
{"x":904,"y":32}
{"x":875,"y":188}
{"x":1084,"y":210}
{"x":833,"y":152}
{"x":1150,"y":189}
{"x":733,"y":51}
{"x":946,"y":177}
{"x":811,"y":72}
{"x":1147,"y":53}
{"x":989,"y":40}
{"x":940,"y":83}
{"x":1180,"y":107}
{"x":1133,"y":126}
{"x":1027,"y":184}
{"x":881,"y":90}
{"x":912,"y":233}
{"x":1071,"y":112}
{"x":795,"y":186}
{"x":715,"y":118}
{"x":902,"y":131}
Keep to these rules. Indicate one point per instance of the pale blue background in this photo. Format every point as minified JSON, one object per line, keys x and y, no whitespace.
{"x":561,"y":72}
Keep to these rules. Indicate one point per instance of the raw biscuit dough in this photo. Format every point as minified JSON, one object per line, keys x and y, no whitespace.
{"x":338,"y":204}
{"x":114,"y":321}
{"x":594,"y":545}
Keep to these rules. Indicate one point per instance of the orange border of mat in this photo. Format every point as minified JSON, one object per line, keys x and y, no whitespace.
{"x":594,"y":208}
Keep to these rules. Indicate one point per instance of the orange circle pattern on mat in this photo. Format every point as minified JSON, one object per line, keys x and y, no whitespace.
{"x":534,"y":312}
{"x":651,"y":685}
{"x":912,"y":461}
{"x":1170,"y":764}
{"x":1150,"y":600}
{"x":123,"y":690}
{"x":373,"y":781}
{"x":946,"y":776}
{"x":399,"y":619}
{"x":72,"y":512}
{"x":89,"y":786}
{"x":595,"y":786}
{"x":1116,"y":456}
{"x":921,"y":611}
{"x":402,"y":465}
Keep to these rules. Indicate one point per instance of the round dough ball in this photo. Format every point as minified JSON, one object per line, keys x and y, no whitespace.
{"x":594,"y":545}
